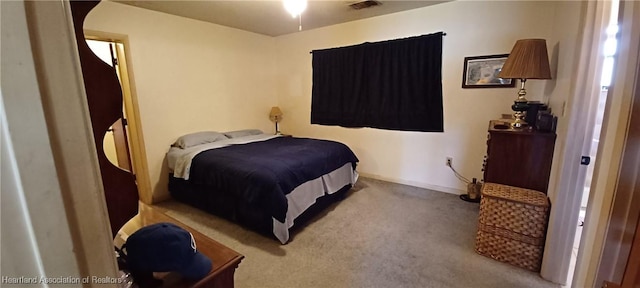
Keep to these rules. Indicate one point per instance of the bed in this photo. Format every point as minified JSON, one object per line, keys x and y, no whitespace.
{"x":261,"y":181}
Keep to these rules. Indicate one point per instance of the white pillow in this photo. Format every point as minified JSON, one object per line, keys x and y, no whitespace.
{"x":198,"y":138}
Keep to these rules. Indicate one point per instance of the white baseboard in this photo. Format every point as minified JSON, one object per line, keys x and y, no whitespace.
{"x":415,"y":184}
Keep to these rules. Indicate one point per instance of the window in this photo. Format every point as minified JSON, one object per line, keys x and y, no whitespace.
{"x":395,"y":85}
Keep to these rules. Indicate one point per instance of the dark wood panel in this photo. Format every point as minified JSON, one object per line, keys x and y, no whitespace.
{"x":104,"y":97}
{"x":520,"y":158}
{"x":631,"y":276}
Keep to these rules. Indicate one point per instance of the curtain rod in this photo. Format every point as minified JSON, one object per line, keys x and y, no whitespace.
{"x":443,"y":34}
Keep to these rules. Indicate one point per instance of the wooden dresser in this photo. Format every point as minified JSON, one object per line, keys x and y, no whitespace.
{"x":518,"y":157}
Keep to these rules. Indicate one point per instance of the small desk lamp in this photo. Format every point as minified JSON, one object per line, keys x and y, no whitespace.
{"x":276,"y":115}
{"x":528,"y":60}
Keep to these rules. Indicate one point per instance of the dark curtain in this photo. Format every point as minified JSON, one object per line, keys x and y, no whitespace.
{"x":395,"y":85}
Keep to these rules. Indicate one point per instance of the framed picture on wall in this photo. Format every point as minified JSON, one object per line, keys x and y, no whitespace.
{"x":482,"y":72}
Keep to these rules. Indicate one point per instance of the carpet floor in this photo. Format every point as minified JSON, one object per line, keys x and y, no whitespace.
{"x":381,"y":235}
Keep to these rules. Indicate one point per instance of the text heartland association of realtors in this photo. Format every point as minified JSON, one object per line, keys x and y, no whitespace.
{"x":60,"y":280}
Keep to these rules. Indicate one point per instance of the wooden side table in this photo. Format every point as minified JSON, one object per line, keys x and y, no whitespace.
{"x":225,"y":261}
{"x":518,"y":157}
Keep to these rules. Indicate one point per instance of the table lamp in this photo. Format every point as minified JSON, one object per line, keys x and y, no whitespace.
{"x":276,"y":115}
{"x":528,"y":60}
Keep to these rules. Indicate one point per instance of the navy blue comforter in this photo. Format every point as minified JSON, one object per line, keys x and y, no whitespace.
{"x":264,"y":172}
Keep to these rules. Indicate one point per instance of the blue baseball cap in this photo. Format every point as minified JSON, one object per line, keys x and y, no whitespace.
{"x":165,"y":247}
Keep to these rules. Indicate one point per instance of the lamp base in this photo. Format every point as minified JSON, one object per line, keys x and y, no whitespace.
{"x":520,"y":107}
{"x":519,"y":123}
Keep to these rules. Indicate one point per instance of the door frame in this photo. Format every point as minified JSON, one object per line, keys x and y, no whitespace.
{"x":619,"y":237}
{"x":577,"y":131}
{"x":135,"y":136}
{"x":592,"y":259}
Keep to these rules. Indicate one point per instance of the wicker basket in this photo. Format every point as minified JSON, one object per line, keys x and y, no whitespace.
{"x":512,"y":225}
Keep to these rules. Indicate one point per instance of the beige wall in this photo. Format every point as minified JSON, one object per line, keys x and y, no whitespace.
{"x":473,"y":29}
{"x":563,"y":46}
{"x":190,"y":76}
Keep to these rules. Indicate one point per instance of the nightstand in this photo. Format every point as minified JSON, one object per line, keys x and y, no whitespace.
{"x":518,"y":157}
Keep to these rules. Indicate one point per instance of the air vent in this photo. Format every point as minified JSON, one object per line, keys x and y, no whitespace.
{"x":364,"y":4}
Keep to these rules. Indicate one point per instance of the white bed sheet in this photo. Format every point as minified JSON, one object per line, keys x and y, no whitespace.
{"x":305,"y":195}
{"x":179,"y":160}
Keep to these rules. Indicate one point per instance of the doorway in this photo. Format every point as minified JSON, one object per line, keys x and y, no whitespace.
{"x":123,"y":143}
{"x":115,"y":142}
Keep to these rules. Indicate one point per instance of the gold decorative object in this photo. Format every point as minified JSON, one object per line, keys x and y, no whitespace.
{"x":528,"y":60}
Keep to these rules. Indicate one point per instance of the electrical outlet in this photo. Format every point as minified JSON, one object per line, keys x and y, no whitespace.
{"x":449,"y":160}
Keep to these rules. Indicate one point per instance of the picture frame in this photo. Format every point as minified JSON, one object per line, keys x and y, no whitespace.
{"x":482,"y":72}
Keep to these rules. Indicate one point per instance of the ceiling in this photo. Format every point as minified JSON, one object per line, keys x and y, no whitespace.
{"x":268,"y":17}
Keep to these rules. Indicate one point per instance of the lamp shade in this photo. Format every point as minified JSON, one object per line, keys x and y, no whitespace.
{"x":528,"y":60}
{"x":275,"y":114}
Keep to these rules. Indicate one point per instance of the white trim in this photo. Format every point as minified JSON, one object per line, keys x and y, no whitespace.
{"x":415,"y":184}
{"x":566,"y":200}
{"x":48,"y":121}
{"x":37,"y":189}
{"x":569,"y":189}
{"x":615,"y":127}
